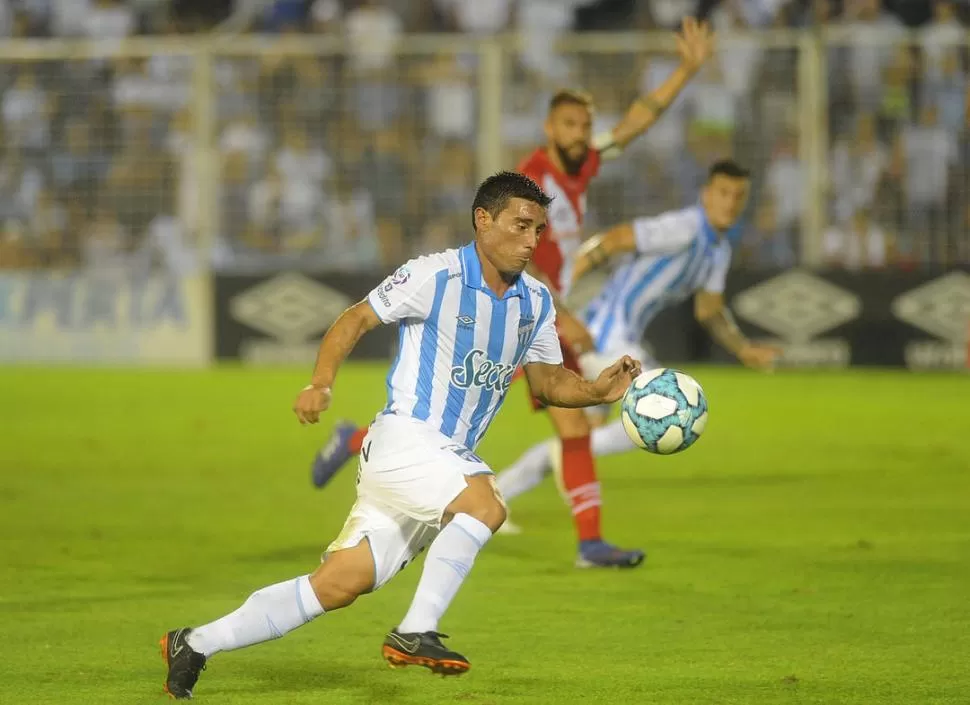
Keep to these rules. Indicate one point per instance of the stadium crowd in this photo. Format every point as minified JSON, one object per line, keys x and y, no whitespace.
{"x":357,"y":160}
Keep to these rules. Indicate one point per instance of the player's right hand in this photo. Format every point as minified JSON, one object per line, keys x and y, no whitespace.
{"x":695,"y":43}
{"x":310,"y":402}
{"x":613,"y":382}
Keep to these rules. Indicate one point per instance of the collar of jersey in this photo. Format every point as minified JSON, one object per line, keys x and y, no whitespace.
{"x":471,"y":275}
{"x":732,"y":235}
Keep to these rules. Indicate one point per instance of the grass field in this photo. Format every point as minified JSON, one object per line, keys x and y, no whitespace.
{"x":814,"y":547}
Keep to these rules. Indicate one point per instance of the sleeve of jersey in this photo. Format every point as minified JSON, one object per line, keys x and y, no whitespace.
{"x":407,"y":293}
{"x":718,"y":276}
{"x":545,"y":347}
{"x":665,"y":234}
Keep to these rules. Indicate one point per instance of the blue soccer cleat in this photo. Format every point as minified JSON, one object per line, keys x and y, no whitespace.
{"x":599,"y":554}
{"x":333,"y":455}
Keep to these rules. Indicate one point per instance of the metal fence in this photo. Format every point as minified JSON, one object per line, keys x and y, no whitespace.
{"x":248,"y":153}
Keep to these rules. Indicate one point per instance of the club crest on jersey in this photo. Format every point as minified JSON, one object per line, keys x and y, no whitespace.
{"x":525,"y":328}
{"x":476,"y":370}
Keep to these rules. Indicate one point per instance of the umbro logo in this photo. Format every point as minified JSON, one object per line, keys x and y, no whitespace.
{"x":465,"y":320}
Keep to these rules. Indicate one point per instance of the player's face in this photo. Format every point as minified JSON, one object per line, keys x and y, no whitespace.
{"x":509,"y":239}
{"x":569,"y":129}
{"x":724,"y":199}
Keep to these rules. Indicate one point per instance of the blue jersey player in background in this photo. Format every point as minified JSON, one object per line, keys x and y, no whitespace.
{"x":659,"y":261}
{"x":467,"y":319}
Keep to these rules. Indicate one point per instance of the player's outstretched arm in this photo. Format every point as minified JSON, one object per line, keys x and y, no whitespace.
{"x":343,"y":335}
{"x":554,"y":385}
{"x":598,"y":250}
{"x":710,"y":312}
{"x":695,"y":44}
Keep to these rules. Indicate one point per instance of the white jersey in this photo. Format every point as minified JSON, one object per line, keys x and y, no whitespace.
{"x":678,"y":253}
{"x":459,"y":343}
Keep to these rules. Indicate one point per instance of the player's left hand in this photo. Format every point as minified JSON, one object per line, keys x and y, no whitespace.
{"x":759,"y":357}
{"x":615,"y":379}
{"x":310,"y":402}
{"x":695,"y":43}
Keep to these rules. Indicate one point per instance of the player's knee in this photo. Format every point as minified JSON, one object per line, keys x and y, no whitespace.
{"x":340,"y":580}
{"x":489,"y":509}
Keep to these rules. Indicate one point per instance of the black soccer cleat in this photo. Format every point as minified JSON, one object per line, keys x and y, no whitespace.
{"x":423,"y":649}
{"x":184,"y":664}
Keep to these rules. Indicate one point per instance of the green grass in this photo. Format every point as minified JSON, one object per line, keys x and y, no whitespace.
{"x":812,"y":548}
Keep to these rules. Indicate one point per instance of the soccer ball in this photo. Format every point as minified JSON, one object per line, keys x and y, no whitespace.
{"x":664,"y":411}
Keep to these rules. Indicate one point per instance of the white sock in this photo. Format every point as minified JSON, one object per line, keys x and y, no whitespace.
{"x":526,"y":472}
{"x":610,"y":439}
{"x":449,"y":560}
{"x":268,"y":613}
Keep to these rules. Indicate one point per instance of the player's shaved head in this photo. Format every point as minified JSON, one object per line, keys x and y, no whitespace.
{"x":509,"y":214}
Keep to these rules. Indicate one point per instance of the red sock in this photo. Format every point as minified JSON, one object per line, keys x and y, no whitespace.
{"x":582,"y":487}
{"x":357,"y":440}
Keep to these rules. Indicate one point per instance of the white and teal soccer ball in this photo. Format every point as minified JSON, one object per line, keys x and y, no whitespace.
{"x":664,"y":411}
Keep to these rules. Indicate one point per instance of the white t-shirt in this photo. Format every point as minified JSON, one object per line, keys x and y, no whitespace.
{"x":844,"y":246}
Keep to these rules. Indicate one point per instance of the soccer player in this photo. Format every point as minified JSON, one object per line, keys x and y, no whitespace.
{"x":564,"y":167}
{"x":668,"y":258}
{"x":468,"y":319}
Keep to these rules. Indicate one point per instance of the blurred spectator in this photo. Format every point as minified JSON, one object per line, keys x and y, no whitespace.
{"x":940,"y":37}
{"x":782,"y":204}
{"x":284,"y":214}
{"x":26,"y":110}
{"x":542,"y":21}
{"x":76,"y":167}
{"x":476,"y":16}
{"x":105,"y":242}
{"x":448,"y":88}
{"x":922,"y":157}
{"x":858,"y":164}
{"x":47,"y":225}
{"x":858,"y":243}
{"x":895,"y":106}
{"x":69,"y":18}
{"x":243,"y":136}
{"x":372,"y":31}
{"x":872,"y":33}
{"x":298,"y":162}
{"x":947,"y":90}
{"x":350,"y":227}
{"x":20,"y":185}
{"x":325,"y":16}
{"x":108,"y":19}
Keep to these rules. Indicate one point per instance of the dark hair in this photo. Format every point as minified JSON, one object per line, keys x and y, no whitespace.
{"x":729,"y":168}
{"x":495,"y":192}
{"x":569,"y":96}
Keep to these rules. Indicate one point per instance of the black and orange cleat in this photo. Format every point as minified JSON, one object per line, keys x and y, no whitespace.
{"x":184,"y":664}
{"x":423,"y":649}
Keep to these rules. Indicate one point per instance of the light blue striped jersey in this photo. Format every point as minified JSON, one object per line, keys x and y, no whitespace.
{"x":460,"y":344}
{"x":678,"y":253}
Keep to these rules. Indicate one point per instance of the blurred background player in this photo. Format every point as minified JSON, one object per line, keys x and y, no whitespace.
{"x":667,"y":259}
{"x":564,"y":168}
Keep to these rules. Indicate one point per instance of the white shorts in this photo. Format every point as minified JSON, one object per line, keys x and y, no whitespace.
{"x":408,"y":475}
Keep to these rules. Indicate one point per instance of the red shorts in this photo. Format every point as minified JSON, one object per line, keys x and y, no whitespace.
{"x":569,"y":361}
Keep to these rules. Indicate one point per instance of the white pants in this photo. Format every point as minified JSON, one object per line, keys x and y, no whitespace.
{"x":408,"y":475}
